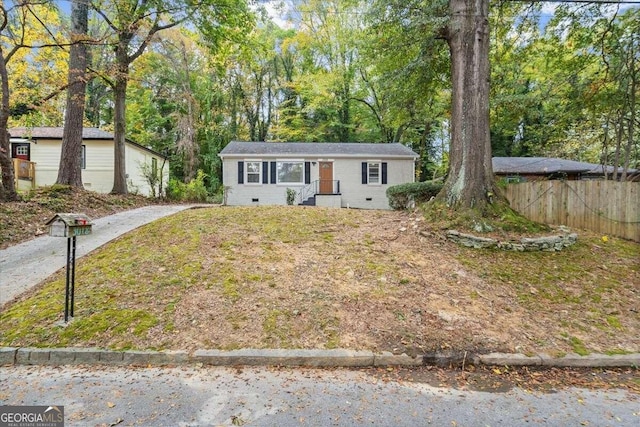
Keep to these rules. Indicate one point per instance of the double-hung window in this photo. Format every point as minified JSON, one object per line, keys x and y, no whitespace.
{"x":154,"y":167}
{"x":290,"y":172}
{"x":374,"y":172}
{"x":253,"y":172}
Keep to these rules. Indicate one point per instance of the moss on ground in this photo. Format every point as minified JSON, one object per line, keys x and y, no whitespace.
{"x":495,"y":218}
{"x":324,"y":278}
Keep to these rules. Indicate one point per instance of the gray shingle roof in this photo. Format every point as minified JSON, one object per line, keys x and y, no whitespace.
{"x":338,"y":149}
{"x":56,"y":133}
{"x":544,"y":165}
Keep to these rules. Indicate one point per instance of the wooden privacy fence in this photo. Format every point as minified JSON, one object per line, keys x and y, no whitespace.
{"x":607,"y":207}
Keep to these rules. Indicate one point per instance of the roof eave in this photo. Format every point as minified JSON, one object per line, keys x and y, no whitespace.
{"x":309,"y":156}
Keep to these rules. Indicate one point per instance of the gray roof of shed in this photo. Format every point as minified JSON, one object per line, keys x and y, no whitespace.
{"x":545,"y":165}
{"x":56,"y":133}
{"x":338,"y":149}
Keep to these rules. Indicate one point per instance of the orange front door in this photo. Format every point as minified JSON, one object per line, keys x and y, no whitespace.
{"x":326,"y":178}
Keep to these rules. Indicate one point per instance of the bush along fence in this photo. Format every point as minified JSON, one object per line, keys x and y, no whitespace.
{"x":607,"y":207}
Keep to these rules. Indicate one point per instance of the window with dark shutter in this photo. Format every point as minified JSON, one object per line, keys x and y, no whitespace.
{"x":307,"y":172}
{"x":265,"y":172}
{"x":240,"y":172}
{"x":290,"y":172}
{"x":374,"y":173}
{"x":253,"y":174}
{"x":273,"y":173}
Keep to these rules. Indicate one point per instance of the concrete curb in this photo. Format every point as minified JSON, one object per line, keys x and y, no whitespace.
{"x":570,"y":360}
{"x":311,"y":358}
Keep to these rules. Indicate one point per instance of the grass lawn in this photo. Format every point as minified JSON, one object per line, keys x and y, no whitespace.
{"x":293,"y":277}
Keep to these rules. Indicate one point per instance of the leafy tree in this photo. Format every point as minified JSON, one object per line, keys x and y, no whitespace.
{"x":134,"y":24}
{"x":24,"y":72}
{"x":612,"y":93}
{"x":253,"y":80}
{"x":329,"y":38}
{"x":179,"y":76}
{"x":516,"y":92}
{"x":465,"y":27}
{"x":38,"y":69}
{"x":407,"y":84}
{"x":564,"y":90}
{"x":290,"y":125}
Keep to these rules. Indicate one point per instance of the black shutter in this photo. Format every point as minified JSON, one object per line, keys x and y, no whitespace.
{"x":364,"y":173}
{"x":384,"y":172}
{"x":307,"y":172}
{"x":240,"y":172}
{"x":273,"y":172}
{"x":265,"y":172}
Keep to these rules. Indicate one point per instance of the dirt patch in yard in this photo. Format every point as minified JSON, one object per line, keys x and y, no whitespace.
{"x":293,"y":277}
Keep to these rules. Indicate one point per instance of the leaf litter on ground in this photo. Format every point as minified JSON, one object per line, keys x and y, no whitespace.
{"x":295,"y":277}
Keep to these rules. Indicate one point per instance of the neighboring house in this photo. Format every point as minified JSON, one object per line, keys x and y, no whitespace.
{"x":354,"y":175}
{"x":37,"y":157}
{"x":517,"y":169}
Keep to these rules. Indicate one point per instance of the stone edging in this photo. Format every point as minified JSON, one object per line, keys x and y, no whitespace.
{"x":311,"y":358}
{"x":547,"y":243}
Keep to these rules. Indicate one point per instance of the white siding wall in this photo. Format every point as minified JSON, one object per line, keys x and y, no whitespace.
{"x":369,"y":196}
{"x":347,"y":171}
{"x":46,"y":155}
{"x":98,"y":173}
{"x":245,"y":194}
{"x":135,"y":157}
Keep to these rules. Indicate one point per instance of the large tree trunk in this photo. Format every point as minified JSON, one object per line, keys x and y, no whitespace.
{"x":70,"y":170}
{"x":120,"y":96}
{"x":119,"y":165}
{"x":470,"y":182}
{"x":7,"y":187}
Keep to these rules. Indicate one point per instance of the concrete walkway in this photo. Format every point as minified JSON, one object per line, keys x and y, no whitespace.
{"x":27,"y":264}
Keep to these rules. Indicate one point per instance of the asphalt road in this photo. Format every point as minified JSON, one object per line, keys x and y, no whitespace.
{"x":210,"y":396}
{"x":27,"y":264}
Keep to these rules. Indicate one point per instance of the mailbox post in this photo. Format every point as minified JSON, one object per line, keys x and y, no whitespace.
{"x":69,"y":225}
